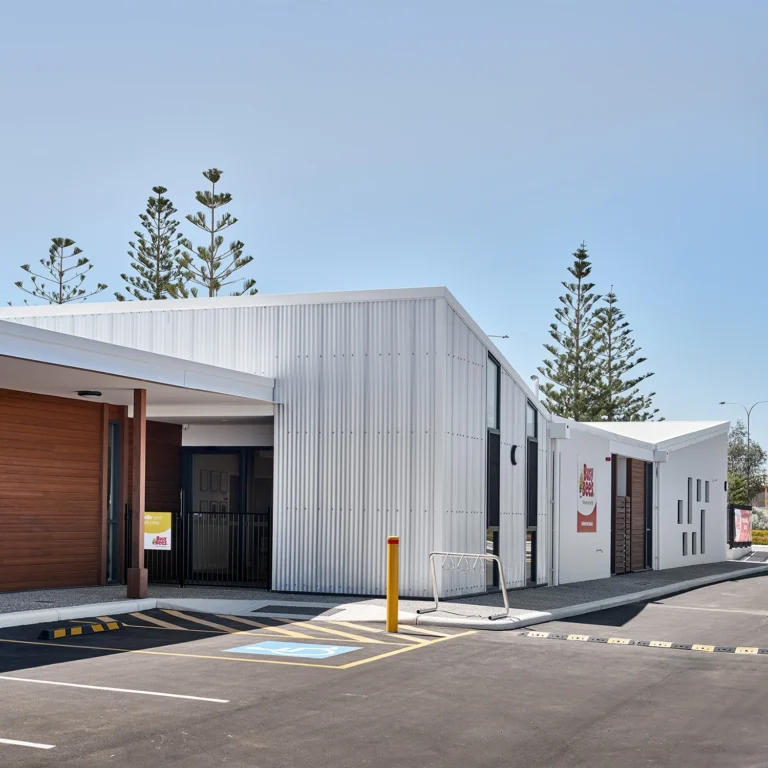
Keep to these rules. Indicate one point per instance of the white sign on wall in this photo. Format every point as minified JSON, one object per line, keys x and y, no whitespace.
{"x":586,"y":514}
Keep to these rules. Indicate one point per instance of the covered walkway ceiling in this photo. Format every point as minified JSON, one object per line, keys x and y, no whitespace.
{"x":49,"y":363}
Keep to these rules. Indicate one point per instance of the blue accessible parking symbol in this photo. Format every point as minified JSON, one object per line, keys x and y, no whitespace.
{"x":294,"y":650}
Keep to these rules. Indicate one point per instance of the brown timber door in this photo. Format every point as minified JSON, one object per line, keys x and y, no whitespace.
{"x":636,"y":487}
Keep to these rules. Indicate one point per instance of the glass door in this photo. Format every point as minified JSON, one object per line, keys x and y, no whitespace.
{"x":113,"y":503}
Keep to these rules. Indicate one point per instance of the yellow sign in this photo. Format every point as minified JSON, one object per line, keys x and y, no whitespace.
{"x":157,"y":530}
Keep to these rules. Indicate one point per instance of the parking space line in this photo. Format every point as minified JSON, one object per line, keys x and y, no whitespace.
{"x":148,"y":652}
{"x":260,"y":625}
{"x":114,"y":690}
{"x":157,"y":622}
{"x":204,"y":622}
{"x":16,"y":743}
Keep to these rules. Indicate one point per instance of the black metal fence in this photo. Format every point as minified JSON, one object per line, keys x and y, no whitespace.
{"x":226,"y":549}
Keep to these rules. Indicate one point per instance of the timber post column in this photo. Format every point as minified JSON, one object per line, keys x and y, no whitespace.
{"x":137,"y":573}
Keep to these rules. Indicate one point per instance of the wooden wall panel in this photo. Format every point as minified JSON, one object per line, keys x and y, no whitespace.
{"x":163,"y":473}
{"x":637,"y":492}
{"x":50,"y":491}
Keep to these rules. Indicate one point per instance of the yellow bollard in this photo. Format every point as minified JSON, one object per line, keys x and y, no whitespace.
{"x":393,"y":578}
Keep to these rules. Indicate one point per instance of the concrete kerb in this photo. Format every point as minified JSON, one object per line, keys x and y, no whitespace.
{"x":88,"y":611}
{"x":569,"y":611}
{"x":367,"y":612}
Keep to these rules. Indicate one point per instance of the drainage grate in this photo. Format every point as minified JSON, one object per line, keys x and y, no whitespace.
{"x":297,"y":610}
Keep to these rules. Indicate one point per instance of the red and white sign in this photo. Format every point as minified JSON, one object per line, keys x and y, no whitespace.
{"x":586,"y":514}
{"x":742,"y":525}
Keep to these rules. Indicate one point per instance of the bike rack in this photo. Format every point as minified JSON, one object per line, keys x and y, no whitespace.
{"x":464,"y":558}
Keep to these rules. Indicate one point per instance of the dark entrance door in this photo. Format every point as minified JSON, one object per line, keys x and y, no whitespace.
{"x":630,"y":514}
{"x":227,"y":517}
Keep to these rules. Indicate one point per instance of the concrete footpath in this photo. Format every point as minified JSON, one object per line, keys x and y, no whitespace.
{"x":527,"y":607}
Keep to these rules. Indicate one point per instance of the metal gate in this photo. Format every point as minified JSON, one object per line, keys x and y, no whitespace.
{"x":211,"y":549}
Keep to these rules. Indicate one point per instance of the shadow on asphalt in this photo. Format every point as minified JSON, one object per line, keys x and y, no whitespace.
{"x":612,"y":617}
{"x":22,"y":648}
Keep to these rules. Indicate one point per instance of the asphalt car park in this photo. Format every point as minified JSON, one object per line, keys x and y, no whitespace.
{"x":178,"y":689}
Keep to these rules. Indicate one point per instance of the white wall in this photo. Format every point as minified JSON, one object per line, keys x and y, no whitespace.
{"x":235,"y":435}
{"x":584,"y":555}
{"x":703,"y":461}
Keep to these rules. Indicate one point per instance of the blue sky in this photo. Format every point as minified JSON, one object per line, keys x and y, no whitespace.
{"x":428,"y":142}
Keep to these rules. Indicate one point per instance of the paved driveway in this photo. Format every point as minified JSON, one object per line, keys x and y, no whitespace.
{"x":182,"y":689}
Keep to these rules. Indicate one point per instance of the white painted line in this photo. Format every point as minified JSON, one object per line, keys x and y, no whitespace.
{"x":32,"y":744}
{"x":114,"y":690}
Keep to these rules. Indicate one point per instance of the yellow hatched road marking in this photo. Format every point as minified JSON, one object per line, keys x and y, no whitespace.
{"x":204,"y":622}
{"x":746,"y":650}
{"x":418,"y":630}
{"x":705,"y":648}
{"x":660,"y":644}
{"x":279,"y":630}
{"x":581,"y":638}
{"x":350,"y":625}
{"x":404,"y":649}
{"x":158,"y":622}
{"x":315,"y":625}
{"x":618,"y":641}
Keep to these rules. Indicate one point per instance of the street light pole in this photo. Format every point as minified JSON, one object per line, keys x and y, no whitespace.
{"x":748,"y":411}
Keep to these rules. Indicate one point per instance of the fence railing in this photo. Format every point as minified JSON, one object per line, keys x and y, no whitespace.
{"x":212,"y":549}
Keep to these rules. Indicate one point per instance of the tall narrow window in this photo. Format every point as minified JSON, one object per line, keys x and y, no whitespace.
{"x":685,"y":544}
{"x":693,"y":543}
{"x":706,"y":493}
{"x":698,"y":490}
{"x":690,"y":500}
{"x":679,"y":511}
{"x":492,"y":375}
{"x":703,"y":529}
{"x":531,"y":421}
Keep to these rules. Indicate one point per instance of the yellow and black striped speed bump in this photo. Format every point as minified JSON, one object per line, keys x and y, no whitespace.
{"x":649,"y":643}
{"x":87,"y":629}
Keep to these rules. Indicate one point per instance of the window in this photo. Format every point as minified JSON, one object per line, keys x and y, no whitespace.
{"x":706,"y":498}
{"x":693,"y":543}
{"x":531,"y":421}
{"x":685,"y":544}
{"x":690,"y":500}
{"x":680,"y":512}
{"x":698,"y":490}
{"x":492,"y":376}
{"x":703,"y":528}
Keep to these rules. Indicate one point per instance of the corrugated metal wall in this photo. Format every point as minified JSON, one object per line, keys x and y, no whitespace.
{"x":354,"y":434}
{"x":512,"y":525}
{"x":463,"y":524}
{"x":380,"y":431}
{"x":464,"y":518}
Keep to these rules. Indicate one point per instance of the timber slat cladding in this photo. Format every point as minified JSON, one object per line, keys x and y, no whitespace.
{"x":50,"y":465}
{"x":637,"y":493}
{"x":163,"y":472}
{"x":622,"y":535}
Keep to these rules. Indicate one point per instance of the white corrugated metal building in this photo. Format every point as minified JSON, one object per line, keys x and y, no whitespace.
{"x":396,"y":414}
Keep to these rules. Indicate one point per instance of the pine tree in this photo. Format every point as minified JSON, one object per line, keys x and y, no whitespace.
{"x":155,"y":253}
{"x":618,"y":398}
{"x":66,"y":278}
{"x":573,"y":370}
{"x":207,"y":265}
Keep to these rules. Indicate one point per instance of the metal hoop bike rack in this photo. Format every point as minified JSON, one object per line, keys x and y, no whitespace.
{"x":457,"y":560}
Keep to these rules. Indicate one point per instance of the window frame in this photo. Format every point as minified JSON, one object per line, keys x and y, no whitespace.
{"x":492,"y":361}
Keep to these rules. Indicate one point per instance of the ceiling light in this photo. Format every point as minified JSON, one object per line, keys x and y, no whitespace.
{"x":88,"y":393}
